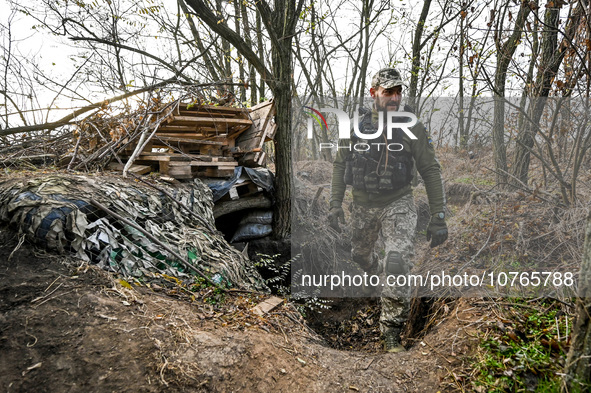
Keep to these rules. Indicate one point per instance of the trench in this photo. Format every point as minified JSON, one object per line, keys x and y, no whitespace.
{"x":349,"y":324}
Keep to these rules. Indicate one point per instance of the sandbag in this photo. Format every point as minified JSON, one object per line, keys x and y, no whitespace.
{"x":257,"y":217}
{"x":248,"y":232}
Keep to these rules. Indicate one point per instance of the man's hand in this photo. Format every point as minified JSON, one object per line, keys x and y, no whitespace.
{"x":335,"y":215}
{"x":437,"y":231}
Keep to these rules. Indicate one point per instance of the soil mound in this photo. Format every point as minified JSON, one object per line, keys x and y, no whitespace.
{"x":67,"y":327}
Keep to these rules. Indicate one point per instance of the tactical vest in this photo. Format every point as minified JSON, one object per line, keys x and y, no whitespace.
{"x":377,"y":169}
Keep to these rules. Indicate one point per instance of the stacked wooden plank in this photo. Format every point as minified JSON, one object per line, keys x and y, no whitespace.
{"x":207,"y":141}
{"x":251,"y":142}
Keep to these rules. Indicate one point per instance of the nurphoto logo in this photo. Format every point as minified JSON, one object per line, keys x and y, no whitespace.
{"x":393,"y":120}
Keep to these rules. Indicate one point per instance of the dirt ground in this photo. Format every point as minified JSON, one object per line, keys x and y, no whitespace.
{"x":68,"y":327}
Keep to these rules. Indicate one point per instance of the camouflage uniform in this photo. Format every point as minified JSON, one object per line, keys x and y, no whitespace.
{"x":384,"y":223}
{"x":382,"y":243}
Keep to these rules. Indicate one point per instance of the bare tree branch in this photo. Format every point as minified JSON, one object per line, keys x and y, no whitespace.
{"x":67,"y":119}
{"x":221,"y":28}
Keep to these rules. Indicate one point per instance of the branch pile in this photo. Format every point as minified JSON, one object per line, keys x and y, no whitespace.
{"x":197,"y":135}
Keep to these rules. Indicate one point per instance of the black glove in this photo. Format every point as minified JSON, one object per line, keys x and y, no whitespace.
{"x":437,"y":230}
{"x":335,"y":215}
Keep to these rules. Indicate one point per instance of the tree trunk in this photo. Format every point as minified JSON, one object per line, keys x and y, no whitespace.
{"x":227,"y":55}
{"x":280,"y":25}
{"x":552,"y":56}
{"x":207,"y":61}
{"x":416,"y":55}
{"x":284,"y":178}
{"x":463,"y":132}
{"x":577,"y":371}
{"x":261,"y":51}
{"x":283,"y":70}
{"x":505,"y":53}
{"x":498,"y":139}
{"x":365,"y":42}
{"x":546,"y":73}
{"x":252,"y":82}
{"x":317,"y":93}
{"x":239,"y":59}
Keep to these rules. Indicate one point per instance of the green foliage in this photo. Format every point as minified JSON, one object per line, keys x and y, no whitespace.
{"x":278,"y":272}
{"x":313,"y":304}
{"x":211,"y":294}
{"x":526,"y":350}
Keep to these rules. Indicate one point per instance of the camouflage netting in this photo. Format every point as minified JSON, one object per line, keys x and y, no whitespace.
{"x":55,"y":211}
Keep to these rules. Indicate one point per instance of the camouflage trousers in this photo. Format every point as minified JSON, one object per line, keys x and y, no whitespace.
{"x":382,"y":243}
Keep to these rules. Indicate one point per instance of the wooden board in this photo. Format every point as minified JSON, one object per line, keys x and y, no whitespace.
{"x":155,"y":157}
{"x":195,"y":136}
{"x":267,"y":305}
{"x":182,"y":172}
{"x":223,"y":165}
{"x":184,"y":158}
{"x":188,"y":129}
{"x":254,"y":140}
{"x":188,"y":140}
{"x":237,"y":131}
{"x":206,"y":113}
{"x":135,"y":169}
{"x":253,"y":159}
{"x":170,"y":128}
{"x":211,"y":108}
{"x":215,"y":172}
{"x":263,"y":128}
{"x":217,"y":122}
{"x":195,"y":149}
{"x":190,"y":172}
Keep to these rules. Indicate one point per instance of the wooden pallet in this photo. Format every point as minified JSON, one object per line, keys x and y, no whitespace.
{"x":210,"y":119}
{"x":189,"y":166}
{"x":205,"y":140}
{"x":193,"y":146}
{"x":190,"y":172}
{"x":242,"y":190}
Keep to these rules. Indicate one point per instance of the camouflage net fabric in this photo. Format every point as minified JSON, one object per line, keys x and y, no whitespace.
{"x":55,"y":211}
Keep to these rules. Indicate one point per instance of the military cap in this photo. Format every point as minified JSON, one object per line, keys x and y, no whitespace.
{"x":387,"y":78}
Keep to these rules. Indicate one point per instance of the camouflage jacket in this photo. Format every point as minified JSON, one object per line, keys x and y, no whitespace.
{"x":426,"y":163}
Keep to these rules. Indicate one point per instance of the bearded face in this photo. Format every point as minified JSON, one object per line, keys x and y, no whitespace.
{"x":387,"y":99}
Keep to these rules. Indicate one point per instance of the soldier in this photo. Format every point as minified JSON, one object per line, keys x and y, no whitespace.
{"x":384,"y":215}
